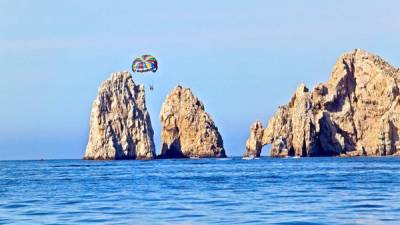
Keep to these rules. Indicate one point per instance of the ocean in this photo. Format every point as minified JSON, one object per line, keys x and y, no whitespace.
{"x":204,"y":191}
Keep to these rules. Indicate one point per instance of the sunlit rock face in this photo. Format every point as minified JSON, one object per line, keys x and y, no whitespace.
{"x":357,"y":112}
{"x":120,"y":126}
{"x":187,"y":129}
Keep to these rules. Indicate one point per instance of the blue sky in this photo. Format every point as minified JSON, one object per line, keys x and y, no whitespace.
{"x":241,"y":58}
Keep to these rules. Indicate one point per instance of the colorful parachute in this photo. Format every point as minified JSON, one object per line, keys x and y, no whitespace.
{"x":145,"y":63}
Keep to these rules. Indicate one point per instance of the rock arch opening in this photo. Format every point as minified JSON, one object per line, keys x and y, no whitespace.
{"x":265,"y":150}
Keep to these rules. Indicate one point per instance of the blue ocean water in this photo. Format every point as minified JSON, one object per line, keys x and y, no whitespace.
{"x":205,"y":191}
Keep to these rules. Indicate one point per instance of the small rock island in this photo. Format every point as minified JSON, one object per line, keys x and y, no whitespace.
{"x":187,"y":129}
{"x":120,"y":125}
{"x":356,"y":113}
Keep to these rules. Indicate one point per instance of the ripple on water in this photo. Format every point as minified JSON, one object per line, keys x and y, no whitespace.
{"x":299,"y":223}
{"x":15,"y":206}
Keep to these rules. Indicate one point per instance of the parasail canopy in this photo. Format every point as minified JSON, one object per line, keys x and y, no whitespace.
{"x":145,"y":63}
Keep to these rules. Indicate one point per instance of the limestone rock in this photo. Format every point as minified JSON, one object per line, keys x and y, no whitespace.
{"x":120,"y":126}
{"x":187,"y":129}
{"x":357,"y":112}
{"x":254,"y":143}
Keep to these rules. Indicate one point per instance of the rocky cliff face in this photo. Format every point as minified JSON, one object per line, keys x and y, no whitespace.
{"x":187,"y":130}
{"x":357,"y":112}
{"x":120,"y":126}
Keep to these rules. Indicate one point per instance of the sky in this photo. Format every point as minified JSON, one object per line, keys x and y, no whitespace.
{"x":241,"y":58}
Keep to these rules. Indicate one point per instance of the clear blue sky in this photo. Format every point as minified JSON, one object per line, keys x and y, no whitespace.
{"x":241,"y":58}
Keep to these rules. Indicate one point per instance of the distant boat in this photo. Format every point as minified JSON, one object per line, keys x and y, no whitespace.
{"x":250,"y":157}
{"x":194,"y":157}
{"x":292,"y":157}
{"x":224,"y":158}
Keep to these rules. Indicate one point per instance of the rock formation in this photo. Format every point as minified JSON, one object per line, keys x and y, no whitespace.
{"x":187,"y":130}
{"x":120,"y":126}
{"x":357,"y":112}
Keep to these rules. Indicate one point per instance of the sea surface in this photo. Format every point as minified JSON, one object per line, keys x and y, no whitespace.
{"x":204,"y":191}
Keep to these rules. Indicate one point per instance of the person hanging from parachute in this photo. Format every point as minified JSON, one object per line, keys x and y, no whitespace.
{"x":144,"y":64}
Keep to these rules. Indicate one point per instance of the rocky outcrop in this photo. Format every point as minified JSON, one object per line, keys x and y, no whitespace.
{"x":357,"y":112}
{"x":120,"y":126}
{"x":254,"y":143}
{"x":187,"y":130}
